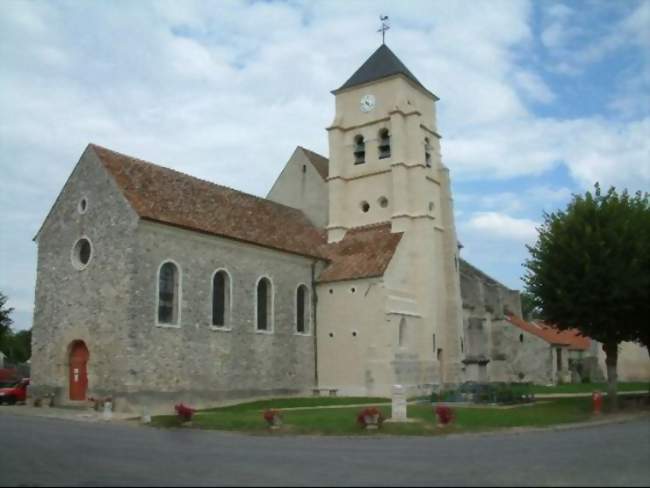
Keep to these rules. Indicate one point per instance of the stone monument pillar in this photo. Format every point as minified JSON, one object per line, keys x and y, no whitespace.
{"x":398,"y":404}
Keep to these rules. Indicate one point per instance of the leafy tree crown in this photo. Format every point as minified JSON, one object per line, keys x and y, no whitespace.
{"x":590,"y":266}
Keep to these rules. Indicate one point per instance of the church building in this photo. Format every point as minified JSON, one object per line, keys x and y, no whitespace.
{"x":155,"y":287}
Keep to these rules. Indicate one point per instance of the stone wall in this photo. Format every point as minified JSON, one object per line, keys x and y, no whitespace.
{"x":197,"y":362}
{"x":496,"y":350}
{"x":518,"y":356}
{"x":111,"y":306}
{"x":90,"y":304}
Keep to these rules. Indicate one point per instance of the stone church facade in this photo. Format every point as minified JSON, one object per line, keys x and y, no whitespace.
{"x":155,"y":287}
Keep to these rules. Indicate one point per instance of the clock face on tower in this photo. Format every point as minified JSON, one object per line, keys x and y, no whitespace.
{"x":367,"y":103}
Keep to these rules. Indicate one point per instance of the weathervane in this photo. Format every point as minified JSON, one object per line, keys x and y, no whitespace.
{"x":384,"y":27}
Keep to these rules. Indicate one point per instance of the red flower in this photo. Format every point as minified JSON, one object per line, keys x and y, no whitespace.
{"x":445,"y":414}
{"x":270,"y":414}
{"x":184,"y":412}
{"x":367,"y":413}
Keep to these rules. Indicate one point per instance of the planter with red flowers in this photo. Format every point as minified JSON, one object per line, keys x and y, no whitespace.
{"x":273,"y":418}
{"x":370,"y":418}
{"x":445,"y":415}
{"x":184,"y":414}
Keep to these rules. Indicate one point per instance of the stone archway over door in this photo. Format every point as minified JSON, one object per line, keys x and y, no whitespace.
{"x":78,"y":375}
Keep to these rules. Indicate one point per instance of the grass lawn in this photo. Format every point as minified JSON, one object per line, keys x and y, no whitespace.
{"x":247,"y":417}
{"x":589,"y":387}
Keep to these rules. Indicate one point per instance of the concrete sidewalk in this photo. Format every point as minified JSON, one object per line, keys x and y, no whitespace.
{"x":68,"y":413}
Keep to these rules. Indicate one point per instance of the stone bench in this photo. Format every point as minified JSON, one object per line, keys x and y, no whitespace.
{"x":332,"y":391}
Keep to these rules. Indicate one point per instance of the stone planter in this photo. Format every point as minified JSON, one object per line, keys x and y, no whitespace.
{"x":371,"y":421}
{"x":276,"y":423}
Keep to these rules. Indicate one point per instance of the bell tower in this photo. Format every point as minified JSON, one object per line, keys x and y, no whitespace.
{"x":384,"y":148}
{"x":385,"y":166}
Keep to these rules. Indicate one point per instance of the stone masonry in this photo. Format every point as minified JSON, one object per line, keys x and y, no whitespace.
{"x":111,"y":306}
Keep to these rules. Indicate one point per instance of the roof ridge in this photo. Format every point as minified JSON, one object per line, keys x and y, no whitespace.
{"x":312,"y":152}
{"x":196,"y":178}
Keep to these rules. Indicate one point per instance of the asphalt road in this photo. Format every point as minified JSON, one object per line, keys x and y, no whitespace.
{"x":41,"y":451}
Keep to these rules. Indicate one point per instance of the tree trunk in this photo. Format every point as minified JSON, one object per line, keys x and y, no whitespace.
{"x":611,"y":360}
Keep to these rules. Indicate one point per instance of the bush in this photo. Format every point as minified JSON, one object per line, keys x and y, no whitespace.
{"x":447,"y":396}
{"x":504,"y":393}
{"x":184,"y":413}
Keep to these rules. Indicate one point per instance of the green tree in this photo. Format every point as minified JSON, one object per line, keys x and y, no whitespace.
{"x":5,"y":321}
{"x":589,"y":270}
{"x":20,"y":347}
{"x":17,"y":346}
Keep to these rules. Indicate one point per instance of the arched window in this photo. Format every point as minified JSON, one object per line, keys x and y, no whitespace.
{"x":401,"y":340}
{"x":168,"y":293}
{"x":302,"y":309}
{"x":384,"y":144}
{"x":264,"y":305}
{"x":359,"y":150}
{"x":427,"y":152}
{"x":220,"y":299}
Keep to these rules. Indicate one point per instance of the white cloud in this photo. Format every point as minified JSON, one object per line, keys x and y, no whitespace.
{"x":558,"y":30}
{"x":534,"y":87}
{"x":502,"y":226}
{"x":614,"y":153}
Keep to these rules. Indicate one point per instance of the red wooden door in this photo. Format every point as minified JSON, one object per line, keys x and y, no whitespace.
{"x":78,"y":371}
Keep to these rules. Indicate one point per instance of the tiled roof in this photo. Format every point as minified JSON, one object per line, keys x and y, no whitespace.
{"x":364,"y":252}
{"x":167,"y":196}
{"x":321,"y":163}
{"x":570,"y":337}
{"x":381,"y":64}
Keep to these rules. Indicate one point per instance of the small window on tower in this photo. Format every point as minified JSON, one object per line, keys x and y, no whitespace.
{"x":359,"y":150}
{"x":427,"y":152}
{"x":384,"y":144}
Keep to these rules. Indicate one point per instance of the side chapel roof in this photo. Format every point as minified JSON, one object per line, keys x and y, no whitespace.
{"x":570,"y":337}
{"x":364,"y":252}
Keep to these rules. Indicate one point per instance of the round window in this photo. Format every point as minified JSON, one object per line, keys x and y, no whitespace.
{"x":365,"y":206}
{"x":383,"y":202}
{"x":82,"y":253}
{"x":83,"y":205}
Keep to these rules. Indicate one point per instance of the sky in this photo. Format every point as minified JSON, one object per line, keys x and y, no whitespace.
{"x":538,"y":101}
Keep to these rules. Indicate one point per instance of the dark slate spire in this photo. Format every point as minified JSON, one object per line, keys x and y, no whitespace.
{"x":381,"y":64}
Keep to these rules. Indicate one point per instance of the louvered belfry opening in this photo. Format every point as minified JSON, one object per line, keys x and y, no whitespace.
{"x":384,"y":144}
{"x":359,"y":150}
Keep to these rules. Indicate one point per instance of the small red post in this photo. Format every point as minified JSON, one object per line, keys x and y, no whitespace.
{"x":597,"y":401}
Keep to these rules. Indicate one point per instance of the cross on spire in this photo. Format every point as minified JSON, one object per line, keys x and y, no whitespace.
{"x":384,"y":27}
